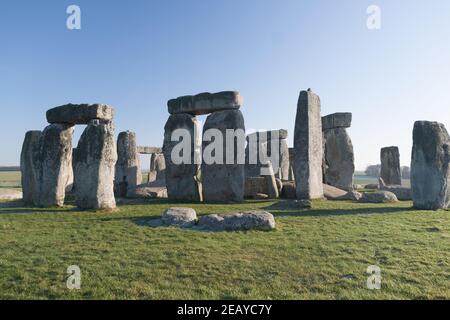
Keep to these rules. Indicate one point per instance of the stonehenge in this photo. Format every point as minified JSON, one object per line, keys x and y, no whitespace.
{"x":128,"y":168}
{"x":430,"y":166}
{"x":308,"y":147}
{"x":390,"y":166}
{"x":338,"y":159}
{"x":49,"y":163}
{"x":188,"y":176}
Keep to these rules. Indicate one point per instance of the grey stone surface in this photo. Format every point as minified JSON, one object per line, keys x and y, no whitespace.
{"x":52,"y":165}
{"x":179,"y":217}
{"x":146,"y":191}
{"x":402,"y":193}
{"x":390,"y":166}
{"x":128,"y":173}
{"x":224,"y":182}
{"x":157,"y":168}
{"x":148,"y":150}
{"x":283,"y":173}
{"x":289,"y":190}
{"x":80,"y":113}
{"x":249,"y":220}
{"x":308,"y":147}
{"x":291,"y":164}
{"x":430,"y":166}
{"x":333,"y":193}
{"x":339,"y":159}
{"x":95,"y":160}
{"x":337,"y":120}
{"x":10,"y":194}
{"x":270,"y":135}
{"x":205,"y":103}
{"x":351,"y":195}
{"x":371,"y":186}
{"x":27,"y":166}
{"x":182,"y":179}
{"x":378,"y":197}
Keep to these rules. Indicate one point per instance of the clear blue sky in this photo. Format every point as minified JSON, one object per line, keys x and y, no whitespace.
{"x":135,"y":55}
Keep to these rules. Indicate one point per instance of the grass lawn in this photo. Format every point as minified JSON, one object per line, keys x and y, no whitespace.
{"x":322,"y":253}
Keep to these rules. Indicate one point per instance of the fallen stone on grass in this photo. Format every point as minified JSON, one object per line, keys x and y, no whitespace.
{"x":332,"y":193}
{"x":378,"y":197}
{"x":402,"y":193}
{"x":352,"y":196}
{"x":249,"y":220}
{"x":145,"y":191}
{"x":10,"y":194}
{"x":371,"y":186}
{"x":179,"y":217}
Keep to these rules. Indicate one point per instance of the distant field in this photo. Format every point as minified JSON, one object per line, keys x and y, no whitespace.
{"x":10,"y":179}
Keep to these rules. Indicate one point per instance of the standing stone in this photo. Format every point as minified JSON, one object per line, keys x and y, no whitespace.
{"x":291,"y":164}
{"x":53,"y":164}
{"x":182,"y":178}
{"x":308,"y":147}
{"x":390,"y":166}
{"x":158,"y":168}
{"x":27,"y":166}
{"x":223,"y":182}
{"x":95,"y":161}
{"x":339,"y":159}
{"x":430,"y":166}
{"x":128,"y":169}
{"x":271,"y":182}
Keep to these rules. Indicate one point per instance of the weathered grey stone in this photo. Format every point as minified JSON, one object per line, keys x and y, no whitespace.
{"x":308,"y":147}
{"x":289,"y":190}
{"x":27,"y":166}
{"x":271,"y":182}
{"x":378,"y":197}
{"x":337,"y":120}
{"x":10,"y":194}
{"x":145,"y":191}
{"x":269,"y":135}
{"x":261,"y":196}
{"x":80,"y":113}
{"x":390,"y":166}
{"x":249,"y":220}
{"x":179,"y":217}
{"x":94,"y":162}
{"x":283,"y":173}
{"x":430,"y":166}
{"x":205,"y":103}
{"x":291,"y":164}
{"x":339,"y":160}
{"x":224,"y":182}
{"x":148,"y":150}
{"x":254,"y":185}
{"x":53,"y":164}
{"x":128,"y":169}
{"x":332,"y":193}
{"x":402,"y":193}
{"x":157,"y":168}
{"x":371,"y":186}
{"x":182,"y":179}
{"x":351,"y":195}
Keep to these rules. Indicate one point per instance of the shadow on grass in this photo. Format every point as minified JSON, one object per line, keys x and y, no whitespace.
{"x":335,"y":212}
{"x":18,"y":207}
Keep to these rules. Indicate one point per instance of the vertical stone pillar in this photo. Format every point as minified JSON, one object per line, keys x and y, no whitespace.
{"x":182,"y":169}
{"x":284,"y":160}
{"x":95,"y":162}
{"x":308,"y":147}
{"x":27,"y":166}
{"x":128,"y":169}
{"x":158,"y":167}
{"x":339,"y":159}
{"x":430,"y":166}
{"x":390,"y":166}
{"x":53,"y":164}
{"x":291,"y":164}
{"x":224,"y":180}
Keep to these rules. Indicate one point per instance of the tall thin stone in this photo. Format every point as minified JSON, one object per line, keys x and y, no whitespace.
{"x":308,"y":147}
{"x":53,"y":165}
{"x":430,"y":166}
{"x":224,"y":181}
{"x":128,"y":169}
{"x":27,"y":166}
{"x":182,"y":177}
{"x":390,"y":166}
{"x":95,"y":161}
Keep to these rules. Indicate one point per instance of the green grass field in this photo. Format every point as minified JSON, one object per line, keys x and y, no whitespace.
{"x":321,"y":253}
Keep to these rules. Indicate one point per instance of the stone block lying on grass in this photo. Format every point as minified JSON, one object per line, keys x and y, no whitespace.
{"x":402,"y":193}
{"x":351,"y":195}
{"x":250,"y":220}
{"x":379,"y":197}
{"x":179,"y":217}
